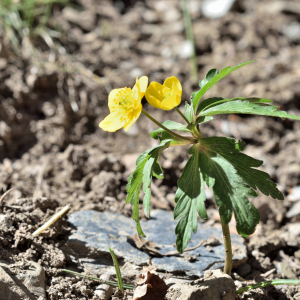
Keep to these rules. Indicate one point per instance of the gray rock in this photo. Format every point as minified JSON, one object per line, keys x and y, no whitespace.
{"x":216,"y":287}
{"x":29,"y":284}
{"x":100,"y":230}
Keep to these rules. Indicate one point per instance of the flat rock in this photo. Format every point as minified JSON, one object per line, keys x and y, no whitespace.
{"x":100,"y":230}
{"x":27,"y":284}
{"x":217,"y":286}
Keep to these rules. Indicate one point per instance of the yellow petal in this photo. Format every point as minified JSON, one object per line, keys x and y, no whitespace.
{"x":174,"y":84}
{"x":134,"y":115}
{"x":113,"y":122}
{"x":112,"y":98}
{"x":154,"y":94}
{"x":143,"y":85}
{"x":176,"y":89}
{"x":171,"y":102}
{"x":136,"y":94}
{"x":139,"y":89}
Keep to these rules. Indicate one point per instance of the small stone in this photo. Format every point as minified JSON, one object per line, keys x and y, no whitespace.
{"x":149,"y":16}
{"x":171,"y":15}
{"x":215,"y":9}
{"x":294,"y":194}
{"x":244,"y":269}
{"x":186,"y":49}
{"x":294,"y":210}
{"x":293,"y":31}
{"x":294,"y":229}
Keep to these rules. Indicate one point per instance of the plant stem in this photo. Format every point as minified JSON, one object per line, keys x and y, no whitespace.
{"x":127,"y":286}
{"x":268,"y":283}
{"x":228,"y":249}
{"x":190,"y":37}
{"x":182,"y":115}
{"x":177,"y":136}
{"x":51,"y":221}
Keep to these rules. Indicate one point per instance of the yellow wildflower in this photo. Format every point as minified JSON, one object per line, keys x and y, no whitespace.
{"x":166,"y":96}
{"x":125,"y":106}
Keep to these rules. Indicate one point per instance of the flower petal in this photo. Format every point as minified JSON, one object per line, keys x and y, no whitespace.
{"x":143,"y":85}
{"x":174,"y":84}
{"x":154,"y":94}
{"x":113,"y":122}
{"x":136,"y":94}
{"x":171,"y":102}
{"x":133,"y":116}
{"x":112,"y":98}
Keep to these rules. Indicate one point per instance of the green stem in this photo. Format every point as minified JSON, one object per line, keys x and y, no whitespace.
{"x":127,"y":286}
{"x":182,"y":115}
{"x":190,"y":37}
{"x":177,"y":136}
{"x":228,"y":249}
{"x":268,"y":283}
{"x":196,"y":133}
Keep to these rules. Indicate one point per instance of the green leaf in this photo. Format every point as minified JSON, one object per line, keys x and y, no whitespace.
{"x":224,"y":72}
{"x":243,"y":164}
{"x":189,"y":112}
{"x":190,"y":197}
{"x":209,"y":76}
{"x":201,"y":119}
{"x":253,"y":106}
{"x":231,"y":175}
{"x":170,"y":125}
{"x":208,"y":102}
{"x":146,"y":166}
{"x":117,"y":269}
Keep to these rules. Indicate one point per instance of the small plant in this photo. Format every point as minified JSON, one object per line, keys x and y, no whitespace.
{"x":26,"y":17}
{"x":117,"y":268}
{"x":216,"y":161}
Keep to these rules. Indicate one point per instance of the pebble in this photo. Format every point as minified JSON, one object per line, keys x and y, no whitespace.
{"x":293,"y":31}
{"x":294,"y":210}
{"x":294,"y":194}
{"x":244,"y":269}
{"x":215,"y":9}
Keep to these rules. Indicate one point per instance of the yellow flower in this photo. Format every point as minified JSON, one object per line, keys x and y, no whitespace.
{"x":166,"y":96}
{"x":125,"y":106}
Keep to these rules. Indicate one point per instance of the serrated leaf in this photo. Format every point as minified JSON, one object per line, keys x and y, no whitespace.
{"x":189,"y":198}
{"x":230,"y":193}
{"x":146,"y":166}
{"x":232,"y":176}
{"x":224,"y":72}
{"x":189,"y":112}
{"x":209,"y":76}
{"x":244,"y":164}
{"x":253,"y":106}
{"x":170,"y":125}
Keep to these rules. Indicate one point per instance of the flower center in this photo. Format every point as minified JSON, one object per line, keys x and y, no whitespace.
{"x":167,"y":94}
{"x":164,"y":93}
{"x":124,"y":99}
